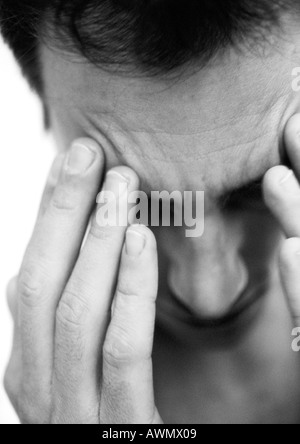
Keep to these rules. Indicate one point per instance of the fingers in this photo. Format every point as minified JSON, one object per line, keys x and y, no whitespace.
{"x":281,"y":186}
{"x":290,"y":268}
{"x":282,"y":195}
{"x":127,"y":386}
{"x":84,"y":310}
{"x":49,"y":260}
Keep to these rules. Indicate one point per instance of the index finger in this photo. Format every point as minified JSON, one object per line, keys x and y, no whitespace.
{"x":48,"y":263}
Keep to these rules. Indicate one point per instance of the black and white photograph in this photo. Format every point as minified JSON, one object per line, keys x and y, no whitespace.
{"x":150,"y":215}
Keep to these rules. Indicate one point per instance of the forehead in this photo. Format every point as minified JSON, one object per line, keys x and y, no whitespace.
{"x":214,"y":128}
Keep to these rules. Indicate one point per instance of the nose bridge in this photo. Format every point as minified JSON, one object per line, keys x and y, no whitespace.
{"x":215,"y":259}
{"x":210,"y":273}
{"x":220,"y":239}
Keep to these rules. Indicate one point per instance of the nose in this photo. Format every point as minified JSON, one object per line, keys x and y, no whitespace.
{"x":208,"y":274}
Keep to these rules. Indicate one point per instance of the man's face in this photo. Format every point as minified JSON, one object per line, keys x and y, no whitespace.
{"x":212,"y":130}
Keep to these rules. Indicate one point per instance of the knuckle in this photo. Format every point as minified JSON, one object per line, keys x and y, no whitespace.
{"x":120,"y":350}
{"x":72,"y":311}
{"x":65,"y":198}
{"x":101,"y":233}
{"x":30,"y":286}
{"x":124,"y":291}
{"x":108,"y":232}
{"x":132,"y":300}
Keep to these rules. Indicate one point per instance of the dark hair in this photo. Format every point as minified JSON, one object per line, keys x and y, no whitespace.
{"x":153,"y":35}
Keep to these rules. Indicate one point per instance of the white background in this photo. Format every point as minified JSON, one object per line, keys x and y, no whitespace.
{"x":25,"y":158}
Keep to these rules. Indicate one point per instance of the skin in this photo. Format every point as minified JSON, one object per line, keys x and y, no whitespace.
{"x":85,"y":349}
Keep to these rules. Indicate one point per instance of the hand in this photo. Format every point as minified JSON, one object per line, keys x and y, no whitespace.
{"x":282,"y":195}
{"x":84,"y":313}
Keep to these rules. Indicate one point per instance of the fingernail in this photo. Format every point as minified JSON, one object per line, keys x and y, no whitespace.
{"x":135,"y":242}
{"x":80,"y":159}
{"x":287,"y":176}
{"x":290,"y":183}
{"x":116,"y":183}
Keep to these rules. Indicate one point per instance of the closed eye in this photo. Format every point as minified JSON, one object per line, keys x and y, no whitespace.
{"x":250,"y":194}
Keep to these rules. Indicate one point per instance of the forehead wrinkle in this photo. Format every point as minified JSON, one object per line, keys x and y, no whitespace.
{"x":221,"y":142}
{"x":117,"y":121}
{"x":193,"y":118}
{"x":249,"y":164}
{"x":118,"y":126}
{"x":255,"y":113}
{"x":115,"y":106}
